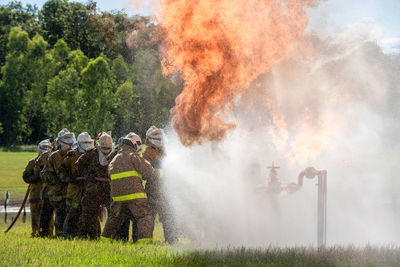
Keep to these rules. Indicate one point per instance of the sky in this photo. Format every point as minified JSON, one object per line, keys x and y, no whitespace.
{"x":330,"y":15}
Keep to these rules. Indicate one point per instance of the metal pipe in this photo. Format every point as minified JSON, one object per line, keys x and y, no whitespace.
{"x":322,"y":207}
{"x":310,"y":173}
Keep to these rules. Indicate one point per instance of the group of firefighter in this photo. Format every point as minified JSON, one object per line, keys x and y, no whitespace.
{"x":72,"y":180}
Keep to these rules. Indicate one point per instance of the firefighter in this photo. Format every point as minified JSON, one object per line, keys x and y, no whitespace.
{"x":31,"y":177}
{"x":57,"y":188}
{"x":123,"y":232}
{"x":76,"y":184}
{"x":45,"y":206}
{"x":126,"y":171}
{"x":93,"y":166}
{"x":154,"y":152}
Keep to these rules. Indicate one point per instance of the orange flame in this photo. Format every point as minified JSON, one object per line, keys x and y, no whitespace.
{"x":220,"y":47}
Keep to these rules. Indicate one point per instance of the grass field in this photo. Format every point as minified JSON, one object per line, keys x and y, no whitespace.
{"x":18,"y":249}
{"x":12,"y":165}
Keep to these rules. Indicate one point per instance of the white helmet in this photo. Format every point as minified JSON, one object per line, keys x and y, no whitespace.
{"x":135,"y":140}
{"x":66,"y":139}
{"x":85,"y":142}
{"x":105,"y":144}
{"x":44,"y":146}
{"x":155,"y":137}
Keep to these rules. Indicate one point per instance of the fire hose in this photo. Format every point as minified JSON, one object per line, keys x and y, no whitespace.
{"x":20,"y":209}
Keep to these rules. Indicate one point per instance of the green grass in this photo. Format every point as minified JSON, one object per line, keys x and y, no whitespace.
{"x":18,"y":249}
{"x":12,"y":165}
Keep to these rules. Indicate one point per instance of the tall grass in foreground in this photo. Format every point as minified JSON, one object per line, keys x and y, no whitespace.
{"x":18,"y":249}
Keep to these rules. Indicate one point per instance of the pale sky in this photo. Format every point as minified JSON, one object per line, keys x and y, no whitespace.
{"x":330,"y":15}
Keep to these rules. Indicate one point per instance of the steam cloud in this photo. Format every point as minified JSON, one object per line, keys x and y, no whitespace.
{"x":333,"y":106}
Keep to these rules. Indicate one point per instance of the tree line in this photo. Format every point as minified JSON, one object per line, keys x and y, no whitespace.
{"x":71,"y":65}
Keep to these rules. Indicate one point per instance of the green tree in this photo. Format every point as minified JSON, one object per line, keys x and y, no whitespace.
{"x":78,"y":60}
{"x":39,"y":71}
{"x":60,"y":54}
{"x":14,"y":14}
{"x":77,"y":26}
{"x":126,"y":110}
{"x":13,"y":87}
{"x":52,"y":18}
{"x":111,"y":80}
{"x":97,"y":96}
{"x":120,"y":70}
{"x":63,"y":102}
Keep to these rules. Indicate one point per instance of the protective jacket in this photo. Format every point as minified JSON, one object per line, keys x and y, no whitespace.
{"x":29,"y":173}
{"x":68,"y":171}
{"x":153,"y":187}
{"x":40,"y":163}
{"x":31,"y":177}
{"x":51,"y":175}
{"x":127,"y":170}
{"x":89,"y":167}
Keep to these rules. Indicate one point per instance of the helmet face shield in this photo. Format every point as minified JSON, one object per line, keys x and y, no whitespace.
{"x":105,"y":150}
{"x":135,"y":140}
{"x":67,"y":140}
{"x":155,"y":137}
{"x":44,"y":146}
{"x":85,"y":142}
{"x":85,"y":145}
{"x":105,"y":144}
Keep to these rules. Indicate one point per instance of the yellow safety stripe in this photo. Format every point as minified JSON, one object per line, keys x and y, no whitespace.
{"x":120,"y":175}
{"x":130,"y":197}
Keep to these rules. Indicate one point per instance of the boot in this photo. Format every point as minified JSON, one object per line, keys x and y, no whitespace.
{"x":71,"y":222}
{"x":35,"y":217}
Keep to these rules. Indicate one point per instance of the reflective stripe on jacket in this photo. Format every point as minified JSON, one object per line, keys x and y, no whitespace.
{"x":126,"y":170}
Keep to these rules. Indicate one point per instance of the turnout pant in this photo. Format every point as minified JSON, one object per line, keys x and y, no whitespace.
{"x":57,"y":198}
{"x":34,"y":201}
{"x":139,"y":209}
{"x":35,"y":218}
{"x":123,"y":232}
{"x":60,"y":215}
{"x":96,"y":193}
{"x":46,"y":220}
{"x":74,"y":209}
